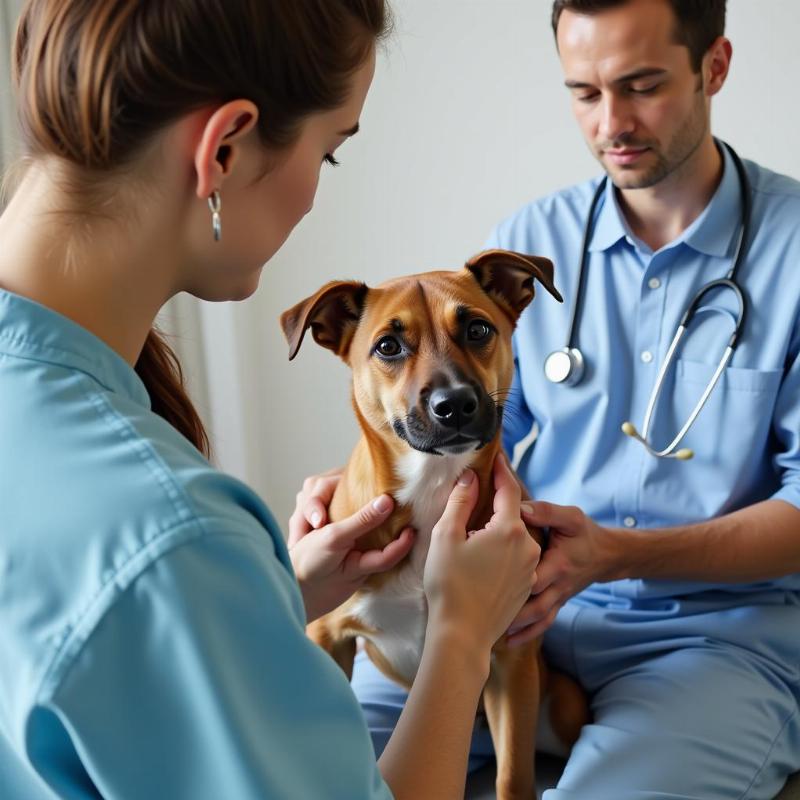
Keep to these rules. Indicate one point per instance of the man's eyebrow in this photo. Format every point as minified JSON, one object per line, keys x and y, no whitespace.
{"x":644,"y":72}
{"x":352,"y":132}
{"x":637,"y":74}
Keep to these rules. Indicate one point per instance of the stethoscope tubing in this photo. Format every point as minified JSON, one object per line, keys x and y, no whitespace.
{"x":576,"y":358}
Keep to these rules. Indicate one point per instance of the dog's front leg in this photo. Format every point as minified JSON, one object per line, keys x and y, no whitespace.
{"x":511,"y":699}
{"x":342,"y":649}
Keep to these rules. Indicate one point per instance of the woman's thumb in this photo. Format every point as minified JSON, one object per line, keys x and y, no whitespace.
{"x":459,"y":506}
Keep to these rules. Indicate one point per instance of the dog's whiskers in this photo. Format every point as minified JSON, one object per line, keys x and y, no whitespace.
{"x":507,"y":391}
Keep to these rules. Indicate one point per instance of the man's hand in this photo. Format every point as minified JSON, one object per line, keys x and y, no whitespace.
{"x":328,"y":569}
{"x":579,"y":552}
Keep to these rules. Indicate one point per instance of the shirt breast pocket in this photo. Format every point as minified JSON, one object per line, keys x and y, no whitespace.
{"x":737,"y":415}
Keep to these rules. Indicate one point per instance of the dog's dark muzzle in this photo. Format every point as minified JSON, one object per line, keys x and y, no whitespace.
{"x":453,"y":408}
{"x":450,"y":419}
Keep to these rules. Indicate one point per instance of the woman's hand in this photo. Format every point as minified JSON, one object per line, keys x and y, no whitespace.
{"x":327,"y":567}
{"x":311,"y":503}
{"x":476,"y":582}
{"x":579,"y":552}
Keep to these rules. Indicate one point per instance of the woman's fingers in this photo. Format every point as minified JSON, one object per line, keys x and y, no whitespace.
{"x":507,"y":492}
{"x":298,"y":525}
{"x":373,"y":561}
{"x":460,"y":505}
{"x":316,"y":496}
{"x":311,"y":504}
{"x":341,"y":535}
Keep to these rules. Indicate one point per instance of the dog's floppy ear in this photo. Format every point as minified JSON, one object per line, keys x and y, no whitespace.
{"x":507,"y":277}
{"x":332,"y":313}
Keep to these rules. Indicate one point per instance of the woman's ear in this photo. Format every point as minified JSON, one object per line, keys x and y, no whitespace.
{"x":217,"y":149}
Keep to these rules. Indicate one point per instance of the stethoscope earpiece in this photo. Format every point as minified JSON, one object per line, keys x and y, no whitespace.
{"x":684,"y":454}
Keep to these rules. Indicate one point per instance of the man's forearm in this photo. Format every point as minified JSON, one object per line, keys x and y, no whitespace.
{"x":759,"y":542}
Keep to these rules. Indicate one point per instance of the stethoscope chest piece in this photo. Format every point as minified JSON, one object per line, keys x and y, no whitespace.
{"x":564,"y":366}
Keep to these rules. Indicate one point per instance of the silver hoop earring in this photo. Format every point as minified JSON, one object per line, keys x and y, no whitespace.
{"x":215,"y":204}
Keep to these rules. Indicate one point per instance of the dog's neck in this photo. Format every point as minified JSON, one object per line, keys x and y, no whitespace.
{"x":420,"y":483}
{"x":425,"y":482}
{"x":419,"y":472}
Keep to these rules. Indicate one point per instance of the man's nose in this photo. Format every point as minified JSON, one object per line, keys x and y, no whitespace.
{"x":616,"y":119}
{"x":453,"y":406}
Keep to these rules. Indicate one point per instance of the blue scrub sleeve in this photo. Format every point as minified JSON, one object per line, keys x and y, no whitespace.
{"x":786,"y":425}
{"x":517,"y":417}
{"x":199,"y":682}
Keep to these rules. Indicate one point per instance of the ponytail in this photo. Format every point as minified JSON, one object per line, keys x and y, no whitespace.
{"x":161,"y":373}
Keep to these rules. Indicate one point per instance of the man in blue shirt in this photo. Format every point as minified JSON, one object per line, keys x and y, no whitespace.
{"x":670,"y":588}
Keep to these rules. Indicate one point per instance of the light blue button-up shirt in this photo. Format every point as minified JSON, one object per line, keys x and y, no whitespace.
{"x":746,"y":439}
{"x":151,"y":631}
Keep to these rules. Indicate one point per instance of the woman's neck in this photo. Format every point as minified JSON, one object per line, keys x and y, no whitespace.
{"x":110,"y":277}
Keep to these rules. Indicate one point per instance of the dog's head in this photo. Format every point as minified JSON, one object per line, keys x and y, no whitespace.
{"x":430,"y":353}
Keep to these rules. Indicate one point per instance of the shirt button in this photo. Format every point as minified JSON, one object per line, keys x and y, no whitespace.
{"x":646,"y":356}
{"x":629,"y":522}
{"x":654,"y":283}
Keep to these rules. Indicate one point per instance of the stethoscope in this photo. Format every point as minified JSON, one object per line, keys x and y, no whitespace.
{"x":567,"y":365}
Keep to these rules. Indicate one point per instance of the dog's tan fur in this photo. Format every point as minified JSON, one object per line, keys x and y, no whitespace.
{"x":429,"y":311}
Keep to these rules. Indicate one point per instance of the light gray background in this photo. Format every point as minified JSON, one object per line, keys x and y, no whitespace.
{"x":467,"y":120}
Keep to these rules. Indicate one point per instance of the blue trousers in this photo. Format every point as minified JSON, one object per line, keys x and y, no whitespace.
{"x":692,"y":698}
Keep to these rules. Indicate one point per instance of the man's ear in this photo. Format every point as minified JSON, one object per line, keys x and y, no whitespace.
{"x":332,"y":313}
{"x":716,"y":65}
{"x":507,"y":278}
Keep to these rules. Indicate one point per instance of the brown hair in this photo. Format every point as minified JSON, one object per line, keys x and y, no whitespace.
{"x":96,"y":79}
{"x":699,"y":22}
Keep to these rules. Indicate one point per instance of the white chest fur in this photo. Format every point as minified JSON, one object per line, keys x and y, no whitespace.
{"x":398,"y":611}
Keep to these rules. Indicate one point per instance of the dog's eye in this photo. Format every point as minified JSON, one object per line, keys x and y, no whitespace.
{"x":478,"y":330}
{"x":388,"y":347}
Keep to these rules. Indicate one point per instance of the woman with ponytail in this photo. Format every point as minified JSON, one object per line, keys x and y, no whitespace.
{"x":152,"y":637}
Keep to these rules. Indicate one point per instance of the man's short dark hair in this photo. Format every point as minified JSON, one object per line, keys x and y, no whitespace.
{"x":698,"y":22}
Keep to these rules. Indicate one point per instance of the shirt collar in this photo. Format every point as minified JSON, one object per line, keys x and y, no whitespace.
{"x":714,"y":230}
{"x":711,"y":233}
{"x":33,"y":331}
{"x":610,"y":226}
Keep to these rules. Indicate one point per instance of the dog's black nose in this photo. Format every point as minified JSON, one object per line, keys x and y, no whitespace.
{"x":454,"y":406}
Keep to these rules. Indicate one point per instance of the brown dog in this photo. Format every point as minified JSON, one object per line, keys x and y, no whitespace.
{"x":432,"y":362}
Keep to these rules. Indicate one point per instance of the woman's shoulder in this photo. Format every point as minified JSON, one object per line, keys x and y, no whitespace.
{"x":96,"y":490}
{"x":146,"y":488}
{"x":188,"y":486}
{"x":87,"y":454}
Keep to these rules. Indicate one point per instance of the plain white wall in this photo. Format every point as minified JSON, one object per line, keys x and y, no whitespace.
{"x":467,"y":119}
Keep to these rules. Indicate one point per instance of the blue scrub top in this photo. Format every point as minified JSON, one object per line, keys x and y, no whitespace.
{"x":151,"y":630}
{"x":746,"y":439}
